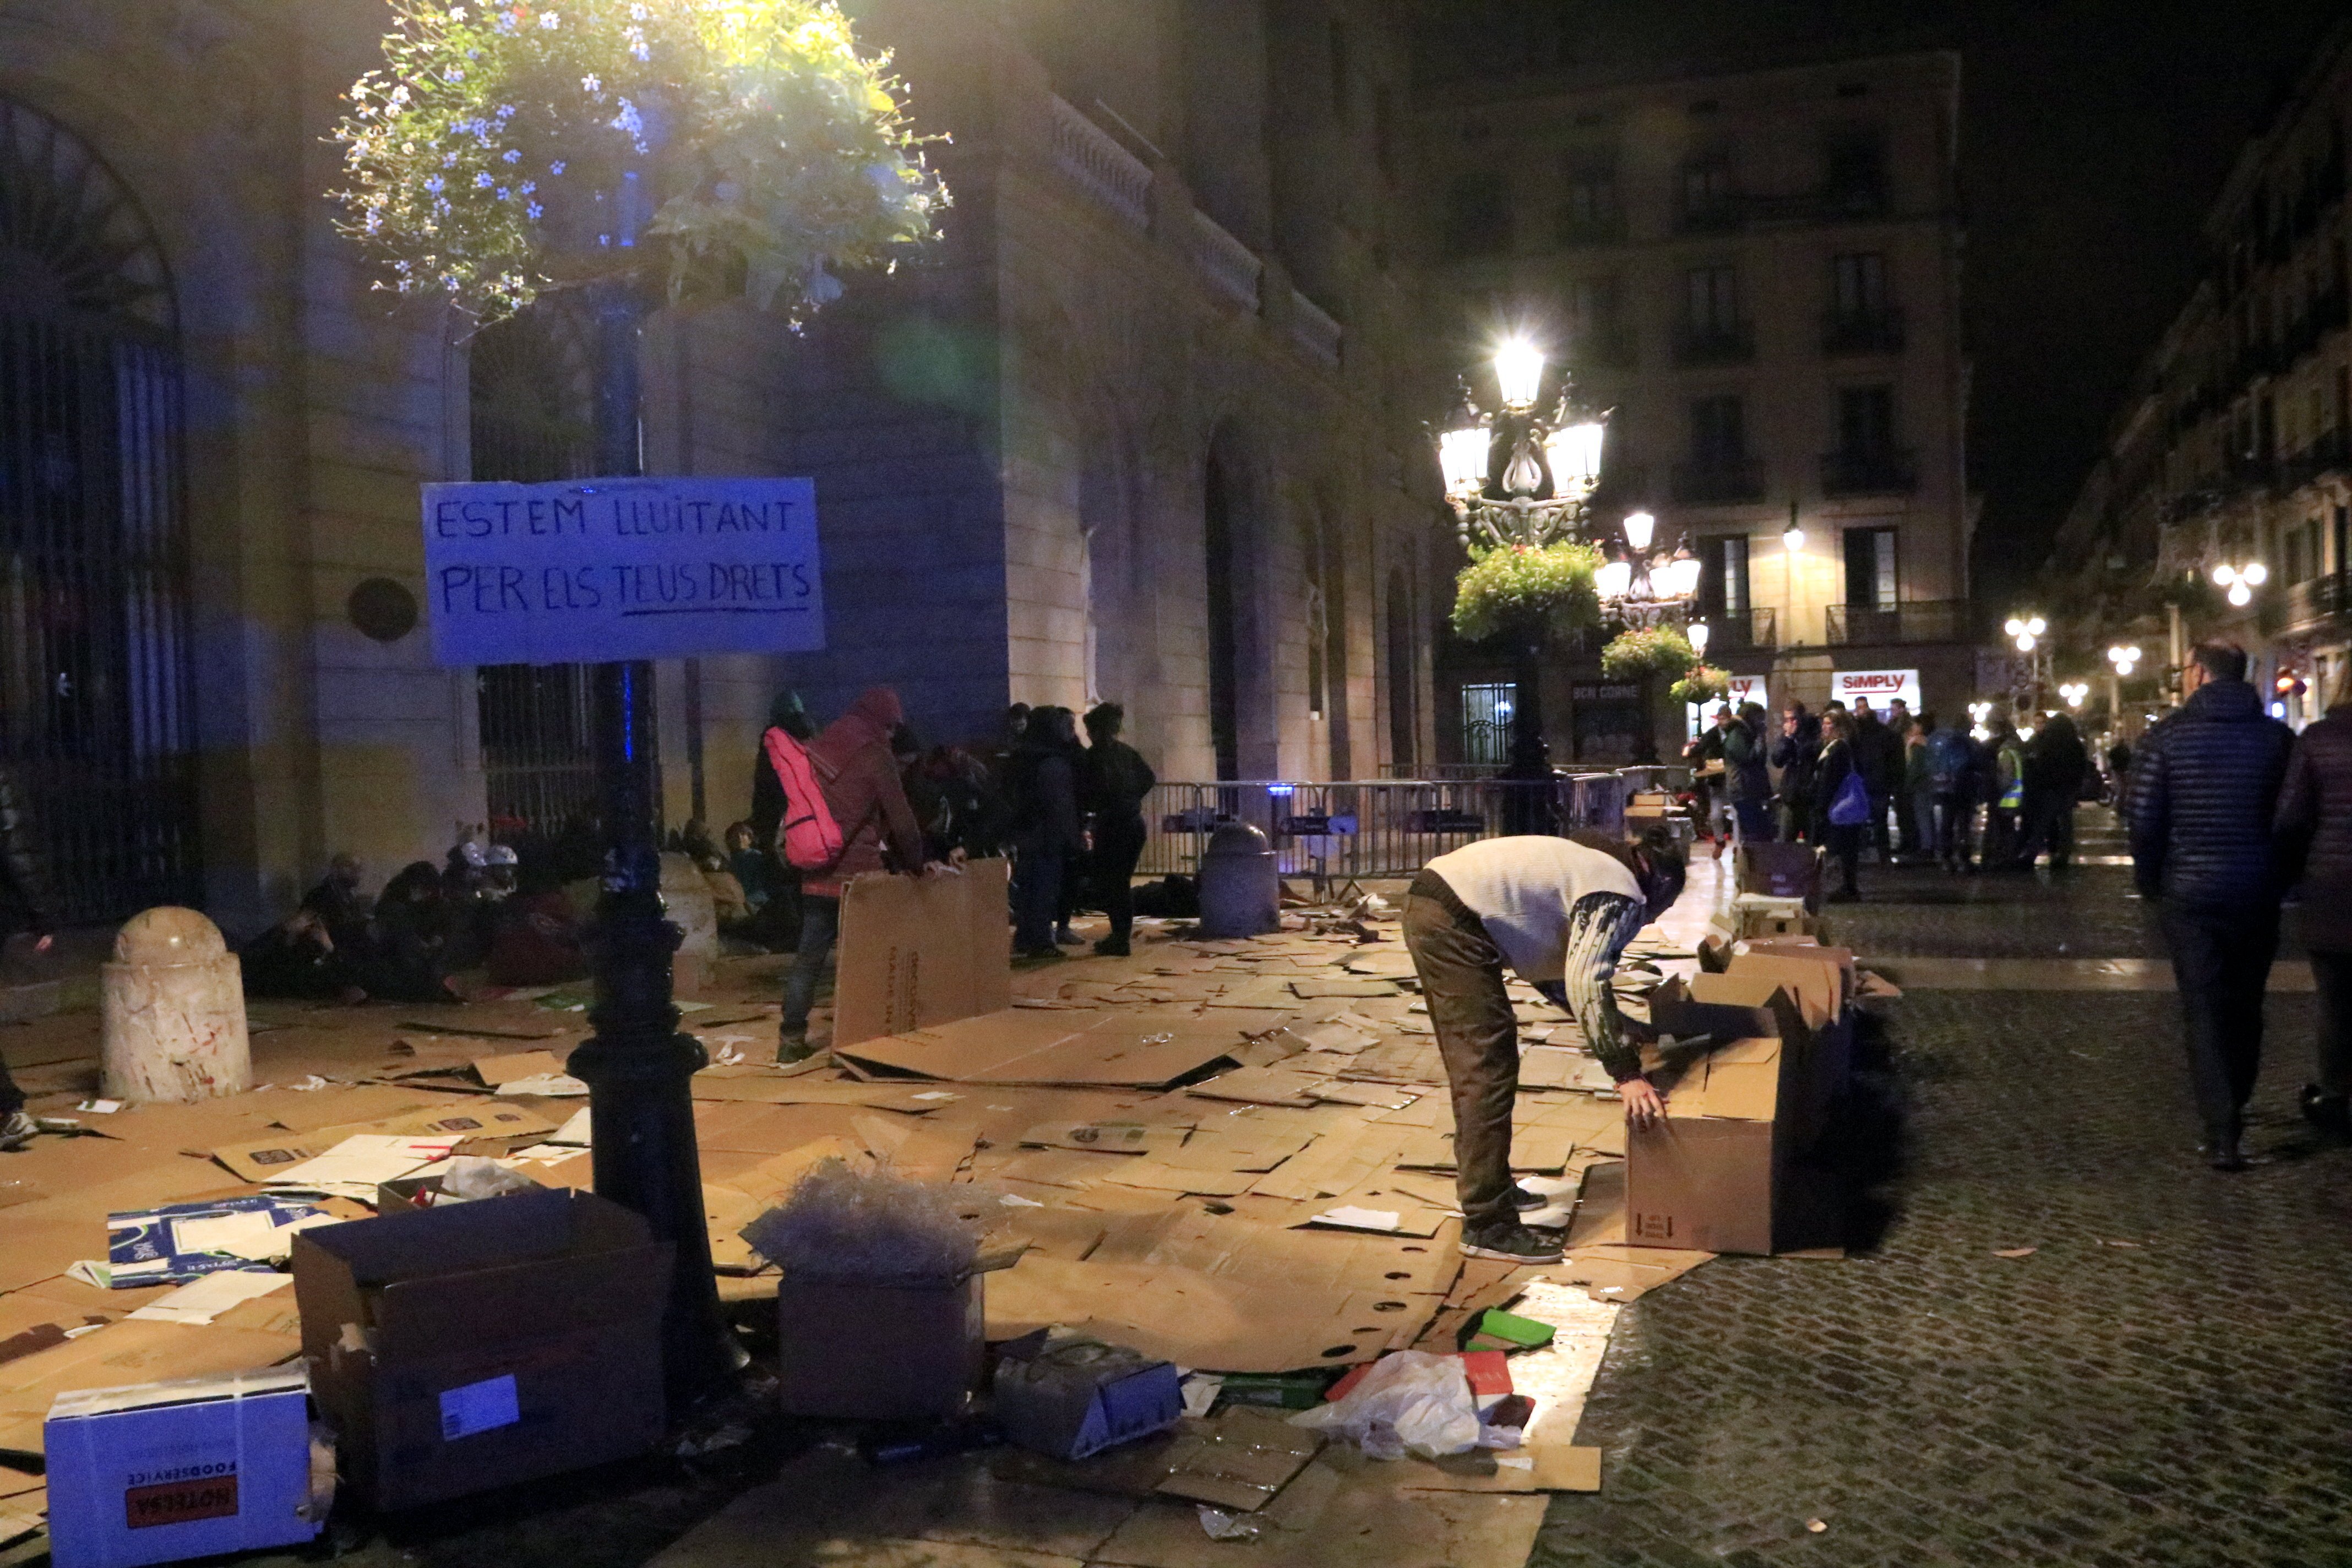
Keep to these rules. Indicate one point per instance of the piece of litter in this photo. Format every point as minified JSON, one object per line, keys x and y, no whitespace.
{"x":1223,"y":1526}
{"x":101,"y":1106}
{"x":943,"y":1094}
{"x":2123,"y":1244}
{"x":553,"y":1085}
{"x":313,"y":1082}
{"x":1015,"y":1201}
{"x":1817,"y":1525}
{"x":727,"y":1056}
{"x":1200,"y":1390}
{"x":1162,"y":1040}
{"x":1514,"y":1462}
{"x":1350,"y":1217}
{"x":2016,"y":1252}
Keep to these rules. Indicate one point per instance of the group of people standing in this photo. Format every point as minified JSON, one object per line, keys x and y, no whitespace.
{"x":1076,"y":815}
{"x":1905,"y":787}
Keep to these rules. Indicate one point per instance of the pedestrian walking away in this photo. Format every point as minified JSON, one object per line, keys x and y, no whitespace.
{"x":1951,"y":785}
{"x":2314,"y":848}
{"x":2056,"y":764}
{"x":859,"y":781}
{"x":1558,"y":911}
{"x":1117,"y":782}
{"x":2205,"y":791}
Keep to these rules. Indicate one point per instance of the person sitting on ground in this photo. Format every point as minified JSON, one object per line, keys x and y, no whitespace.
{"x":336,"y":900}
{"x":1559,"y":912}
{"x":751,"y":866}
{"x":296,"y":959}
{"x":409,"y":939}
{"x":537,"y":942}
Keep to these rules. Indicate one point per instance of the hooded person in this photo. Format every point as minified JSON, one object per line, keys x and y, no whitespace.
{"x":878,"y":833}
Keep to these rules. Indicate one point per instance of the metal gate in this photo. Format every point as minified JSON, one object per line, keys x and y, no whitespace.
{"x":95,"y":712}
{"x":532,"y":418}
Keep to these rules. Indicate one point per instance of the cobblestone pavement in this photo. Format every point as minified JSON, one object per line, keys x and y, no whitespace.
{"x":2164,"y":1380}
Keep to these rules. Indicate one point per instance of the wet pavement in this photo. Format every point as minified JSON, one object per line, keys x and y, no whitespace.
{"x":2162,"y":1379}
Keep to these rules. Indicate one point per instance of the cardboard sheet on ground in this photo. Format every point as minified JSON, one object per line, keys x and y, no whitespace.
{"x":1538,"y":1468}
{"x":1218,"y":1323}
{"x":1226,"y":1245}
{"x":918,"y":951}
{"x":1028,"y":1047}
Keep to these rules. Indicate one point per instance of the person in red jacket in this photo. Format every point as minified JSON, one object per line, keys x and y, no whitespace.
{"x":878,"y":833}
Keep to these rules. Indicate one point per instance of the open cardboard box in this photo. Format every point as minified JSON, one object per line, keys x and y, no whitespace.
{"x":1781,"y":870}
{"x":461,"y":1348}
{"x":879,"y":1352}
{"x":1722,"y":1171}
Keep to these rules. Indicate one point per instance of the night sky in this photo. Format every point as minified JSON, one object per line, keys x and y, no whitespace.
{"x":2094,"y":136}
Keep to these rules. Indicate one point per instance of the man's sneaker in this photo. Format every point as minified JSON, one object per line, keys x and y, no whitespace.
{"x":2226,"y":1153}
{"x":1529,"y":1198}
{"x":2331,"y":1114}
{"x":1111,"y":948}
{"x":793,"y":1046}
{"x":1509,"y":1241}
{"x":17,"y":1130}
{"x":1069,"y":938}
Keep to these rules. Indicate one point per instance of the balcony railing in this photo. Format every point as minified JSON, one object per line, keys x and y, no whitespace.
{"x":1754,"y":630}
{"x":1720,"y":481}
{"x":1313,"y":329}
{"x":2315,"y":602}
{"x":1098,"y":165}
{"x":2330,"y":454}
{"x":1715,"y":342}
{"x":1911,"y":621}
{"x":1885,"y":471}
{"x":1231,"y":267}
{"x":1878,"y":332}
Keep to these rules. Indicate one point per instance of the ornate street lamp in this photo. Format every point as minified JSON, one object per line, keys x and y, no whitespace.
{"x":2241,"y":581}
{"x":1551,"y":472}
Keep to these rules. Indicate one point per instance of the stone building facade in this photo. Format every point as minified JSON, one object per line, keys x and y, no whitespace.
{"x":2235,"y":444}
{"x":1141,"y":428}
{"x":1759,"y":271}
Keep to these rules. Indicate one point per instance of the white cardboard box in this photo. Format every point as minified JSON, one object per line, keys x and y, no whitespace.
{"x":161,"y":1471}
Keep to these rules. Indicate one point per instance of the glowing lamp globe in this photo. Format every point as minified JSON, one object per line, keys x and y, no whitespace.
{"x":1462,"y":454}
{"x":1640,"y":529}
{"x":1574,"y":454}
{"x":1519,"y":373}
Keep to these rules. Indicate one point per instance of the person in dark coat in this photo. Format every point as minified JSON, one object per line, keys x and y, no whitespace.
{"x":2314,"y":847}
{"x":1839,"y":762}
{"x":2205,"y":791}
{"x":339,"y":903}
{"x":2056,"y":764}
{"x":1878,"y":752}
{"x":24,"y":910}
{"x":1048,"y":831}
{"x":1117,"y":782}
{"x":409,"y":939}
{"x":1797,"y":753}
{"x":1746,"y":778}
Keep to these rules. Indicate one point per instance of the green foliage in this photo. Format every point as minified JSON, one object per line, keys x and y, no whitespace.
{"x":1701,"y":683}
{"x":1652,"y":650}
{"x":1528,"y":591}
{"x":487,"y":152}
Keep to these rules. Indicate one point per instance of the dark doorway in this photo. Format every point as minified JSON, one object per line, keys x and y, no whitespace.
{"x":1402,"y":727}
{"x":1225,"y":702}
{"x":96,"y":712}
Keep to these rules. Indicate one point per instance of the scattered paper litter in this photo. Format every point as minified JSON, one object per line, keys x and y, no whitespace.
{"x":574,"y":1132}
{"x":200,"y":1302}
{"x":1223,"y":1526}
{"x":361,"y":1163}
{"x":99,"y":1107}
{"x":553,"y":1085}
{"x":2016,"y":1252}
{"x":1817,"y":1525}
{"x":313,"y":1082}
{"x":1347,"y":1217}
{"x":1200,"y":1390}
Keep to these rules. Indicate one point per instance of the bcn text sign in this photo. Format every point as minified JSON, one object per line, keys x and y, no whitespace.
{"x":593,"y":570}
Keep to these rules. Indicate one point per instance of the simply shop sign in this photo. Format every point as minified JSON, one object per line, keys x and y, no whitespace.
{"x":1876,"y":686}
{"x":588,"y":571}
{"x":1745,"y":688}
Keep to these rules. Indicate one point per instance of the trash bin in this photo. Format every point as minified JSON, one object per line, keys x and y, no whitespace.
{"x":1241,"y":883}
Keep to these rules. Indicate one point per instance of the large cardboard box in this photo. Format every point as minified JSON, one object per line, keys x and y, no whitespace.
{"x":921,"y":950}
{"x":1722,"y":1171}
{"x":161,"y":1471}
{"x":879,"y":1352}
{"x":1780,"y":871}
{"x":457,"y":1349}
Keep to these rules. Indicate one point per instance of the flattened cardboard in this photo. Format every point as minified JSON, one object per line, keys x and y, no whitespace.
{"x":1238,"y":1462}
{"x":919,"y":952}
{"x":120,"y":1354}
{"x":560,"y":1291}
{"x":508,"y":1068}
{"x":1539,"y":1468}
{"x":1263,"y":1086}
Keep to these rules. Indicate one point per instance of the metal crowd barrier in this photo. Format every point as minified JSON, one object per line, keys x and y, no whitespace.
{"x":1377,"y":827}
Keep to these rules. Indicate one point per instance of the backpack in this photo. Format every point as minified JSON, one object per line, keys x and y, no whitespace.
{"x":807,"y":835}
{"x":1947,"y":761}
{"x":1851,"y":807}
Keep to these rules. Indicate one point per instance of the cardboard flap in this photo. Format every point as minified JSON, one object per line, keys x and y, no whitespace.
{"x":1817,"y":984}
{"x":475,"y":1307}
{"x":1742,"y":1091}
{"x":492,"y":1233}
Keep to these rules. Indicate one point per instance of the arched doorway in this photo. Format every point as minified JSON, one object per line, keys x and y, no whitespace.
{"x":531,"y":418}
{"x":95,"y":711}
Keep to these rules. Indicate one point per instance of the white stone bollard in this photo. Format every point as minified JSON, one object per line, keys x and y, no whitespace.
{"x":171,"y":1012}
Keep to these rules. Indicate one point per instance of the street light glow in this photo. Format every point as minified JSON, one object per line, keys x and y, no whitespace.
{"x":1682,"y":574}
{"x":1639,"y":528}
{"x":1794,"y":540}
{"x":1699,"y":636}
{"x":1614,"y":579}
{"x":1462,"y":454}
{"x":1519,"y":372}
{"x":1574,"y":453}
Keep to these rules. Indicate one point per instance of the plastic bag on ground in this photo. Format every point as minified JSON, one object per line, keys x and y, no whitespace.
{"x":1410,"y":1402}
{"x":870,"y":1229}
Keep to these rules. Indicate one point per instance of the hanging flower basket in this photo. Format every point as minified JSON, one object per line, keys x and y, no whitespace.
{"x":1650,"y":651}
{"x":746,"y":147}
{"x":1540,"y":591}
{"x":1703,"y":683}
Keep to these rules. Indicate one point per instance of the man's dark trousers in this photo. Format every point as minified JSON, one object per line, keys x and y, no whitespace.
{"x":1461,"y":972}
{"x":2222,"y":963}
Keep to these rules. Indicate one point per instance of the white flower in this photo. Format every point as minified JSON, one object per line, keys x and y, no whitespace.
{"x":592,"y":86}
{"x":638,"y":13}
{"x":549,"y":20}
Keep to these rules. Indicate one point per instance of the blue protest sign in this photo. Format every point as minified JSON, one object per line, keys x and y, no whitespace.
{"x":591,"y":570}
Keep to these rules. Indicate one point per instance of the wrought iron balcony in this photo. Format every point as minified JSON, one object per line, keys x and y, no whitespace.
{"x":1874,"y":471}
{"x":1715,"y":342}
{"x":1755,"y":629}
{"x":1878,"y":332}
{"x":1911,"y":621}
{"x":1720,"y":481}
{"x":2313,"y":604}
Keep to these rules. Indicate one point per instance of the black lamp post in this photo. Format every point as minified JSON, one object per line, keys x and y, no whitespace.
{"x":638,"y":1068}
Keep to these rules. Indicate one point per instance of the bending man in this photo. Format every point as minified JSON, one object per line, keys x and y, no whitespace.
{"x":1559,"y":912}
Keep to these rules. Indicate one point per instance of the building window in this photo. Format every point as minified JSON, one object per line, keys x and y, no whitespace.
{"x":1486,"y":711}
{"x":1867,"y":420}
{"x":1872,"y":579}
{"x":2342,"y":539}
{"x":1854,"y":172}
{"x":1723,"y":579}
{"x":1478,"y":215}
{"x":1706,"y":196}
{"x":1858,"y":282}
{"x":1711,"y":299}
{"x":1718,"y":429}
{"x":1593,"y":211}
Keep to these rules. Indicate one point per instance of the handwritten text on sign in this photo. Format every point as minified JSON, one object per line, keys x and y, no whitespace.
{"x":615,"y":569}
